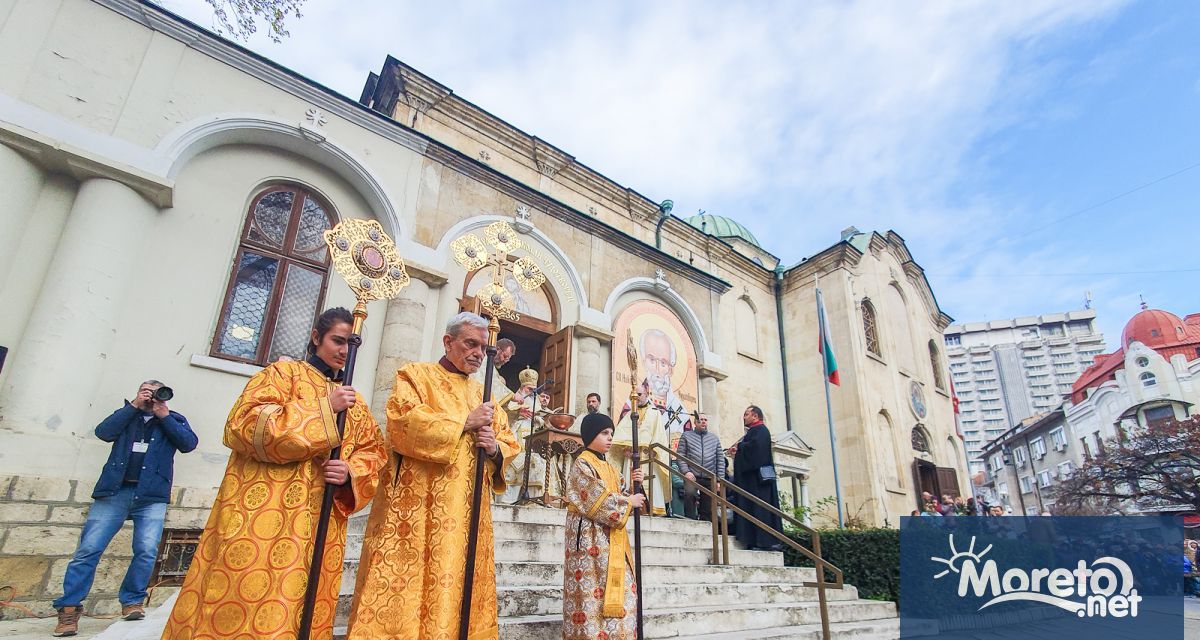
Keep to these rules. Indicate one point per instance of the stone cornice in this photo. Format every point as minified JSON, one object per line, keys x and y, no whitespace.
{"x":550,"y":159}
{"x":705,"y":371}
{"x":56,"y":156}
{"x":421,"y":92}
{"x":560,"y":211}
{"x":335,"y":104}
{"x":584,"y":330}
{"x":839,"y":256}
{"x":261,"y":68}
{"x":916,"y":276}
{"x":432,"y":277}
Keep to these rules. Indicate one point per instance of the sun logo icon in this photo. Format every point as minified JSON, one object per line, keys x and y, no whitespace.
{"x":957,"y":558}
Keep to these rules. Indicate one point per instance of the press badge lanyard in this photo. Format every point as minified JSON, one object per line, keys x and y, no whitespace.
{"x":142,"y":446}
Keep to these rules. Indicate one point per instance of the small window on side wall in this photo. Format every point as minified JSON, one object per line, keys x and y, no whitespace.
{"x":870,"y":330}
{"x":277,"y":283}
{"x":935,"y":361}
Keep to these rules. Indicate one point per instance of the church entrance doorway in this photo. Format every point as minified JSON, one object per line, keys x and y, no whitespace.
{"x":540,"y":344}
{"x":938,"y":481}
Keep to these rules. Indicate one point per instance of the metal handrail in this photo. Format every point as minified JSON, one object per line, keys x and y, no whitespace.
{"x":721,"y":502}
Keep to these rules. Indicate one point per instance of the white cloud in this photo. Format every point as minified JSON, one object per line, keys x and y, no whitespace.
{"x":817,"y":114}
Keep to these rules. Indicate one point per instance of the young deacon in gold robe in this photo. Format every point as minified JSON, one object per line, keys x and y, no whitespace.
{"x":248,"y":575}
{"x":412,"y":568}
{"x":599,"y":593}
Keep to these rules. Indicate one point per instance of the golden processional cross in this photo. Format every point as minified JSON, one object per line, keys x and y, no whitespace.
{"x":473,"y":255}
{"x":367,"y":259}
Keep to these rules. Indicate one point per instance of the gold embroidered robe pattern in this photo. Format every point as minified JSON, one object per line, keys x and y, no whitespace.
{"x":410,"y":578}
{"x":597,"y":507}
{"x":249,"y":572}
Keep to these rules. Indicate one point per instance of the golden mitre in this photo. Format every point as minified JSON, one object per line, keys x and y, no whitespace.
{"x":528,"y":377}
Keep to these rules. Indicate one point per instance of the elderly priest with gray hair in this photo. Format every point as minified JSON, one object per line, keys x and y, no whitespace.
{"x":437,"y":423}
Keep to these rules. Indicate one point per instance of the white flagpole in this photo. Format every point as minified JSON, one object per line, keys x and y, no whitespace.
{"x":821,"y":327}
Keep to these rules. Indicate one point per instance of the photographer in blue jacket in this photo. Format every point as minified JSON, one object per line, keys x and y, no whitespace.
{"x":135,"y":484}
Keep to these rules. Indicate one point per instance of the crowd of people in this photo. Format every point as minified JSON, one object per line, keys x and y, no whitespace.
{"x":250,"y":570}
{"x":949,"y":507}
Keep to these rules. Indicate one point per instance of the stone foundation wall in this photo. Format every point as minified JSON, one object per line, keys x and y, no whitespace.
{"x":40,"y":523}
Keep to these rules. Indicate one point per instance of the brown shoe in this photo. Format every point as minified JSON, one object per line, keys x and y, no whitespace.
{"x":133,"y":612}
{"x":68,"y":621}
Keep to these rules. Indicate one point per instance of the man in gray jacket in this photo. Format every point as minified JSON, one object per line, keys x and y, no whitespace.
{"x":704,"y":447}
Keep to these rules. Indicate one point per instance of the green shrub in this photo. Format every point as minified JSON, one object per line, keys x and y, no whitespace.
{"x":869,"y":559}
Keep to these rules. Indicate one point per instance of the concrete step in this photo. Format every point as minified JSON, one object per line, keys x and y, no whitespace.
{"x":543,"y":600}
{"x":538,"y":532}
{"x":558,"y":517}
{"x":672,"y":623}
{"x":518,"y":574}
{"x":884,"y":629}
{"x":528,"y":601}
{"x":526,"y":551}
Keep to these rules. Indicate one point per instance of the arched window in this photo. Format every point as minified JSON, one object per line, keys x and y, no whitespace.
{"x":920,"y":440}
{"x":935,"y":360}
{"x":278,"y":278}
{"x":870,"y":332}
{"x":746,"y":322}
{"x":1148,"y":379}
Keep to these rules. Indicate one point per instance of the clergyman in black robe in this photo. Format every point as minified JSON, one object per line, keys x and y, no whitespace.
{"x":753,"y":454}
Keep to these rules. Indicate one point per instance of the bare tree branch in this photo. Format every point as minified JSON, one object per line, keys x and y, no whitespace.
{"x":239,"y":18}
{"x":1152,"y":467}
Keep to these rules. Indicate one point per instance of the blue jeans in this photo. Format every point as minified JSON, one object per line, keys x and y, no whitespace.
{"x":103,"y":522}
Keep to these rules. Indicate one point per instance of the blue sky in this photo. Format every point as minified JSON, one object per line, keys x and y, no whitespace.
{"x":993,"y":137}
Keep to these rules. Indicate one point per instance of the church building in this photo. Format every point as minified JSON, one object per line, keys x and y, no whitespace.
{"x":165,"y":193}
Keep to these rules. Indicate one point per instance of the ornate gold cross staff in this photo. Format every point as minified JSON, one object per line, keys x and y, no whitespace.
{"x":367,"y":259}
{"x":631,"y":356}
{"x":471,"y":254}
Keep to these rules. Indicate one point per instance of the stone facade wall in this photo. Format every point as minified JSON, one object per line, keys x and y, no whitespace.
{"x":130,"y":129}
{"x":40,"y":523}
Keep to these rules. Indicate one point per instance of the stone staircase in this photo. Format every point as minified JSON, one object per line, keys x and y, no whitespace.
{"x":685,"y":597}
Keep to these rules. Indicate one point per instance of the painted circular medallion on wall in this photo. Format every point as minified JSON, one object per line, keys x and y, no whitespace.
{"x":917,"y":400}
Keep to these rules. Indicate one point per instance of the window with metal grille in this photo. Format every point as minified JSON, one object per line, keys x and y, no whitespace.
{"x":277,"y":282}
{"x":869,"y":330}
{"x":175,"y":551}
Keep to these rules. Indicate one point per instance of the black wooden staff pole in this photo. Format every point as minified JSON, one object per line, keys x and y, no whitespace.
{"x":635,"y":464}
{"x":464,"y":613}
{"x":318,"y":556}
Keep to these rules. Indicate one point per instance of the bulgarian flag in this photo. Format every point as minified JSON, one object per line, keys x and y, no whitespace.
{"x":825,"y":347}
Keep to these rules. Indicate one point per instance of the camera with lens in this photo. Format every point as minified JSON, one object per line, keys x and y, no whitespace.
{"x":163,"y":394}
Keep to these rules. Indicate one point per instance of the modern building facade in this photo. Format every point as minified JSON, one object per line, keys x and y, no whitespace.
{"x":1005,"y":371}
{"x":1154,"y":376}
{"x":1025,"y":461}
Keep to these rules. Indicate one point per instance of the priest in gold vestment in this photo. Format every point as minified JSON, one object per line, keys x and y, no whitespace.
{"x":248,"y":575}
{"x":412,"y":567}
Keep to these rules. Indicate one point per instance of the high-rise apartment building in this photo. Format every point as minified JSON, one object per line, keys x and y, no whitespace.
{"x":1007,"y":370}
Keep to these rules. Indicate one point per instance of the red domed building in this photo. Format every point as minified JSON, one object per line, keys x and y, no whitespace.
{"x":1154,"y":376}
{"x":1162,"y":331}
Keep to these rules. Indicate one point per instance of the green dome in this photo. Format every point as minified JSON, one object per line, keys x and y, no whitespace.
{"x":722,"y":227}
